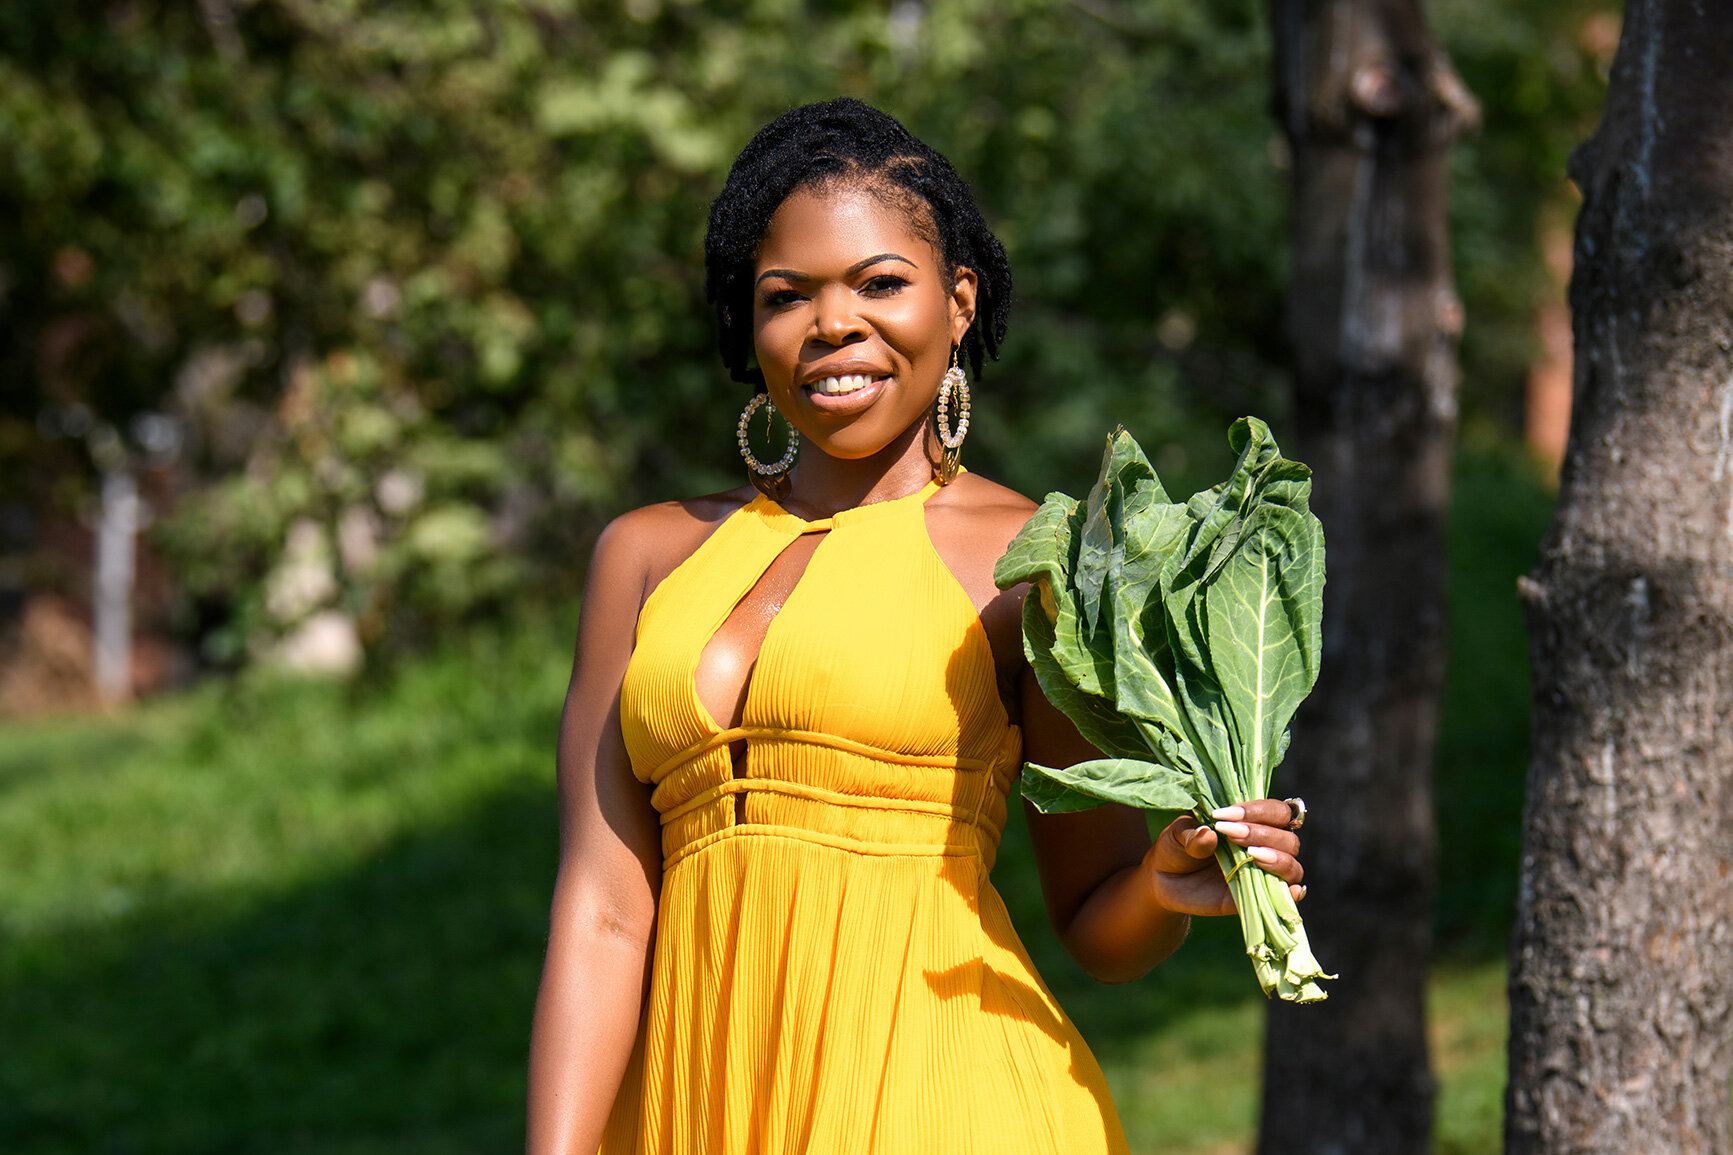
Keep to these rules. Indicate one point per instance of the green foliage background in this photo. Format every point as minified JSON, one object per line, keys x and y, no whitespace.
{"x":434,"y":270}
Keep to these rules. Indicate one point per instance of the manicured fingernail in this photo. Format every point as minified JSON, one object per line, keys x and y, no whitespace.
{"x":1261,"y":854}
{"x":1231,"y":813}
{"x":1233,"y":829}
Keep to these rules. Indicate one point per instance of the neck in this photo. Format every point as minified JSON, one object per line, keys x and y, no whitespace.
{"x":822,"y":485}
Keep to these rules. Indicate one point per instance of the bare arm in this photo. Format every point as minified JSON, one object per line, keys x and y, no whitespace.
{"x":604,"y":907}
{"x":1091,"y":863}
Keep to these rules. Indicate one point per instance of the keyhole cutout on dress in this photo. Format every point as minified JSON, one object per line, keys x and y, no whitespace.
{"x":723,"y":679}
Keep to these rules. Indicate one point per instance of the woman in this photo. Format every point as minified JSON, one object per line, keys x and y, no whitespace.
{"x":794,"y":718}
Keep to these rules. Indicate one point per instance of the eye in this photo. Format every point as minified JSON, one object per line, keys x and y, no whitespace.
{"x":884,"y":284}
{"x":777,"y":298}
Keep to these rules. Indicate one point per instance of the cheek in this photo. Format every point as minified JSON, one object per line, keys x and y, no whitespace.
{"x":919,"y":327}
{"x":771,"y":341}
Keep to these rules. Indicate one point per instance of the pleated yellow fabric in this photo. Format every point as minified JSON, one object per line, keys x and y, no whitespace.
{"x":833,"y":972}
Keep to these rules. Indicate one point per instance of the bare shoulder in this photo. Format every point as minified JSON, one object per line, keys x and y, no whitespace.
{"x":971,"y":521}
{"x":652,"y":529}
{"x":644,"y":545}
{"x":978,"y":511}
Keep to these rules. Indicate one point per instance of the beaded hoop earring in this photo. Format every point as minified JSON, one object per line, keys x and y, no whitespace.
{"x":953,"y":383}
{"x":770,"y":480}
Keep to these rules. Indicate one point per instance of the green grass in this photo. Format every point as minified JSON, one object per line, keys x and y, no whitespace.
{"x":1182,"y":1049}
{"x":281,"y":917}
{"x":1468,"y":1024}
{"x":291,"y":917}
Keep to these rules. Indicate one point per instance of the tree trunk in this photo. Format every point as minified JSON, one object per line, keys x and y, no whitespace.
{"x":1370,"y":107}
{"x":1621,"y":985}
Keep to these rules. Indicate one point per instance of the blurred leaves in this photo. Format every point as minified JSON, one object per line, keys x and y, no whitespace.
{"x":435,"y":270}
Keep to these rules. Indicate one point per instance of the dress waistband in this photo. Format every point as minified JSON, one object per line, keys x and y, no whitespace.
{"x":813,"y":738}
{"x":937,"y":805}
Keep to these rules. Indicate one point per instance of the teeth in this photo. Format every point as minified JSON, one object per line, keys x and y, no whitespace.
{"x":836,"y":386}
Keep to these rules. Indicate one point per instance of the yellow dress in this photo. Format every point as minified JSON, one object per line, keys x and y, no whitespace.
{"x":833,"y":971}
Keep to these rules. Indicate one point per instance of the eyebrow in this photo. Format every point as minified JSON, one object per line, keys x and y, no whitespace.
{"x":796,"y":275}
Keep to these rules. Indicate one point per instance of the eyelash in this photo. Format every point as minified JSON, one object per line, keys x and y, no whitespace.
{"x":882,"y":285}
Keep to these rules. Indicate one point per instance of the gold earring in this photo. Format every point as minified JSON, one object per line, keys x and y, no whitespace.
{"x":770,"y":480}
{"x":953,"y":383}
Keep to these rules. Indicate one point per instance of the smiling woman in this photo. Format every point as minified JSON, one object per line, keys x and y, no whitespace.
{"x":795,"y":718}
{"x":852,"y":348}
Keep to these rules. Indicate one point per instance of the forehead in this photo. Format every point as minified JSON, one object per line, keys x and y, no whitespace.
{"x":841,"y":224}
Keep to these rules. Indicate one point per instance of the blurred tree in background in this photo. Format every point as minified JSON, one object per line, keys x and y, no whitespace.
{"x":394,"y":304}
{"x":1371,"y":108}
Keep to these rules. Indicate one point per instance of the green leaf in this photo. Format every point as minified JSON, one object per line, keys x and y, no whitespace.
{"x":1082,"y":643}
{"x":1095,"y":717}
{"x":1143,"y":663}
{"x":1042,"y":548}
{"x":1260,"y":614}
{"x":1128,"y":781}
{"x":1050,"y":796}
{"x":1172,"y":746}
{"x":1213,"y":737}
{"x":1044,"y":553}
{"x":1095,"y":552}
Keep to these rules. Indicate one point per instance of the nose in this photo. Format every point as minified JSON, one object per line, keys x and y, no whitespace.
{"x":835,"y":319}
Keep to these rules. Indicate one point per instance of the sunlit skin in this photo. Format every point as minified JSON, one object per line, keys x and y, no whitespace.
{"x":845,"y":283}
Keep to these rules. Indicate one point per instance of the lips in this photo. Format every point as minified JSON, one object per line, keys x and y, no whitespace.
{"x":844,"y":394}
{"x":843,"y":388}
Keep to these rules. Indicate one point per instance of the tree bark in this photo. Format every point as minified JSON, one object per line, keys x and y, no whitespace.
{"x":1370,"y":108}
{"x":1621,"y":985}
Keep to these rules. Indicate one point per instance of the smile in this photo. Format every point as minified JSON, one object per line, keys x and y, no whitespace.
{"x":837,"y":386}
{"x":843,"y":395}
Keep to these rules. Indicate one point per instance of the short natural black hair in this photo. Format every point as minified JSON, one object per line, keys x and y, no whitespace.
{"x":846,"y":141}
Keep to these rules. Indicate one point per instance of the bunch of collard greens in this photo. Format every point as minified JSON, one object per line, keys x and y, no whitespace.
{"x":1179,"y":639}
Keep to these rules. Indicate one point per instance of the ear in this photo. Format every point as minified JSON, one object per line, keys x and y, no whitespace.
{"x":963,"y":292}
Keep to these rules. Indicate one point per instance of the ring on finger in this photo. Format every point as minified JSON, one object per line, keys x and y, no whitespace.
{"x":1296,"y":812}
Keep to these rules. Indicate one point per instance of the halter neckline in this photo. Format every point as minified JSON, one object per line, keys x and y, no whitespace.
{"x":772,"y":511}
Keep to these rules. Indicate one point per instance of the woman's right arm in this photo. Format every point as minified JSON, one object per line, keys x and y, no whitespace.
{"x":604,"y":907}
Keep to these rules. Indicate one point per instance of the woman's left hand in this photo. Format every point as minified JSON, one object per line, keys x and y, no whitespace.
{"x":1182,"y":868}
